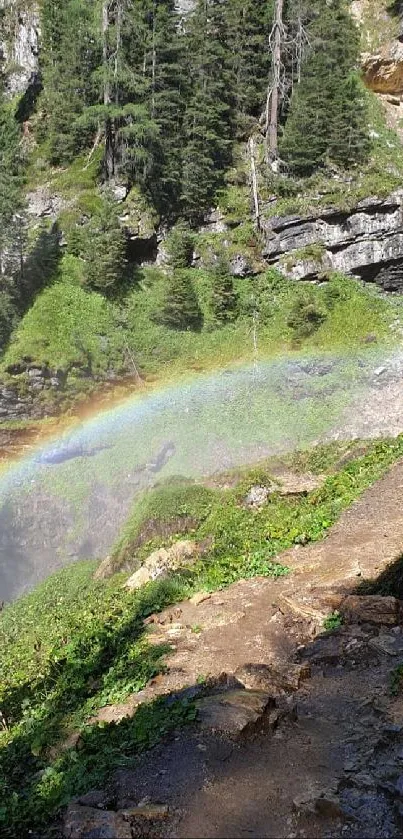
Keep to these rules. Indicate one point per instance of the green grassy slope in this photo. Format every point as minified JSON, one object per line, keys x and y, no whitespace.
{"x":76,"y":644}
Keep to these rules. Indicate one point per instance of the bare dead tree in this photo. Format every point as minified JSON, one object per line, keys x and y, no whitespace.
{"x":277,"y":39}
{"x":107,"y":95}
{"x":288,"y":45}
{"x":255,"y":190}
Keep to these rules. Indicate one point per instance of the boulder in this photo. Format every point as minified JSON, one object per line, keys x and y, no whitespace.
{"x":82,"y":822}
{"x":240,"y":266}
{"x":235,"y":712}
{"x":146,"y":812}
{"x":162,"y":562}
{"x":272,"y":678}
{"x":371,"y":609}
{"x":200,"y":597}
{"x":383,"y":70}
{"x":257,"y":497}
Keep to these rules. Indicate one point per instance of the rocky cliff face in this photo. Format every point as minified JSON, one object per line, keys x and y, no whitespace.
{"x":368,"y":242}
{"x":383,"y":71}
{"x":19,"y":43}
{"x":183,"y":7}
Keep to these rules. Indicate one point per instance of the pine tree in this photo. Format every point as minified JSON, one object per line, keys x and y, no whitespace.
{"x":120,"y":114}
{"x":10,"y":204}
{"x":68,"y":57}
{"x":179,"y":246}
{"x":179,"y":308}
{"x":102,"y":245}
{"x":249,"y":24}
{"x":327,"y":119}
{"x":224,"y":300}
{"x":208,"y":127}
{"x":169,"y":88}
{"x":10,"y":164}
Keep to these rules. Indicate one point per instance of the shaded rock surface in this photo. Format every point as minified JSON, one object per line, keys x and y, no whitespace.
{"x":235,"y":712}
{"x":373,"y":608}
{"x":90,"y":823}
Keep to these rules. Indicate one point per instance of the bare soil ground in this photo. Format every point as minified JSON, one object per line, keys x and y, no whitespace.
{"x":328,"y":761}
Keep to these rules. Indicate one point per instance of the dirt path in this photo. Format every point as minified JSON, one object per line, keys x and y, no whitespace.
{"x":264,"y":620}
{"x":328,"y":760}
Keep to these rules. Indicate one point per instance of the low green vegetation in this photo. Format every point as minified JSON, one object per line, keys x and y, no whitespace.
{"x":396,"y":681}
{"x":66,"y":327}
{"x":333,"y":621}
{"x":76,"y":329}
{"x":163,"y":513}
{"x":244,"y":542}
{"x":77,"y":643}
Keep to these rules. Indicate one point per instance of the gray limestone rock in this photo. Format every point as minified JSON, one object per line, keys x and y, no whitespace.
{"x":367,"y":241}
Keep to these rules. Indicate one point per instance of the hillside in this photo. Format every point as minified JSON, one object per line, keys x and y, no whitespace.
{"x":150,"y":234}
{"x":201,"y":434}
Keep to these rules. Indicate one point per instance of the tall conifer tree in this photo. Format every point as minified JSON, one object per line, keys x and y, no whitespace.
{"x":209,"y":115}
{"x":327,"y":119}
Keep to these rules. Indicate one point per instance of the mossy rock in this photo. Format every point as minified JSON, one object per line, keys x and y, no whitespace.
{"x":139,"y":216}
{"x":173,"y":509}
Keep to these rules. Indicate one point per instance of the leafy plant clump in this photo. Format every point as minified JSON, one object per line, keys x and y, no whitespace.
{"x":333,"y":621}
{"x":396,"y":681}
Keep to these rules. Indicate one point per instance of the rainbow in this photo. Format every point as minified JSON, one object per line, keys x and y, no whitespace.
{"x":69,"y":496}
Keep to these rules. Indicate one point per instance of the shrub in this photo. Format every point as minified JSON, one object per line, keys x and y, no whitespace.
{"x":179,"y":247}
{"x":305,"y":316}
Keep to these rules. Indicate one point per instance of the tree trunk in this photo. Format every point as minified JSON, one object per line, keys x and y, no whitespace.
{"x":254,"y":182}
{"x":154,"y":64}
{"x":119,"y":15}
{"x":109,"y":160}
{"x":273,"y":93}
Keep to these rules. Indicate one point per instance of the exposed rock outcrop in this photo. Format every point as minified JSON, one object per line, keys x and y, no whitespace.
{"x":162,"y":562}
{"x":383,"y":71}
{"x":44,"y":202}
{"x":367,"y":241}
{"x":19,"y":44}
{"x":184,"y":7}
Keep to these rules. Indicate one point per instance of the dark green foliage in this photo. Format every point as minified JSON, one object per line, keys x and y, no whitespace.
{"x":396,"y":681}
{"x":10,"y":164}
{"x":40,"y":265}
{"x":8,"y":314}
{"x":170,"y":86}
{"x":327,"y":119}
{"x":249,"y":24}
{"x":333,"y":621}
{"x":179,"y":247}
{"x":209,"y":114}
{"x":101,"y":243}
{"x":305,"y":316}
{"x":68,"y":57}
{"x":179,"y":308}
{"x":223,"y":295}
